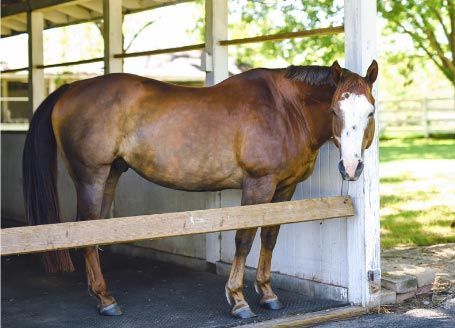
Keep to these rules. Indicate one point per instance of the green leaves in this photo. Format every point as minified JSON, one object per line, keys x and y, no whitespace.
{"x":431,"y":26}
{"x":250,"y":18}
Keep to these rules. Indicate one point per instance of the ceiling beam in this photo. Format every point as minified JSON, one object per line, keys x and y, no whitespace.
{"x":96,"y":6}
{"x":75,"y":11}
{"x":5,"y":30}
{"x":14,"y":25}
{"x":132,"y":4}
{"x":56,"y":17}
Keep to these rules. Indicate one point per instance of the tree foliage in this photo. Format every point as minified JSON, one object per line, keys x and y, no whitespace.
{"x":251,"y":18}
{"x":431,"y":26}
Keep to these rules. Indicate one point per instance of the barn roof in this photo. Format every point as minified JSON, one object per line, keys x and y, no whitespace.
{"x":59,"y":13}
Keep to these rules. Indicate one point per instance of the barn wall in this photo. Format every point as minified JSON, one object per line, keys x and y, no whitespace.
{"x":136,"y":196}
{"x":12,"y":144}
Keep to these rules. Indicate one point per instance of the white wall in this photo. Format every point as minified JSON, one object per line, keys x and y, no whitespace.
{"x":12,"y":144}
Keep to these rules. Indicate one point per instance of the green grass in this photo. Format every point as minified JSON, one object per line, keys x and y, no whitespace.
{"x":417,"y":191}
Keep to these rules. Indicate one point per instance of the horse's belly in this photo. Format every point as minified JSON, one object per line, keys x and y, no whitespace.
{"x":191,"y":175}
{"x":188,"y":162}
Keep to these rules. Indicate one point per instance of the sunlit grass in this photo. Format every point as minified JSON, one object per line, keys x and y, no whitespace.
{"x":417,"y":191}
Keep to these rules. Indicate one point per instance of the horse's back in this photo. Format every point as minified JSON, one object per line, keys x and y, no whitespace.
{"x":185,"y":138}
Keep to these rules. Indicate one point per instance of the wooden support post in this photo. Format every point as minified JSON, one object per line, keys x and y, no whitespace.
{"x":36,"y":90}
{"x":215,"y":56}
{"x":113,"y":37}
{"x":47,"y":237}
{"x":215,"y":63}
{"x":363,"y":233}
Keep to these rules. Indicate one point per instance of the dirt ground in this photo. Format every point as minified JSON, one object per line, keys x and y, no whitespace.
{"x":438,"y":257}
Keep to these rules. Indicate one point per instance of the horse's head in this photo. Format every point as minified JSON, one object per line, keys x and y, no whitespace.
{"x":353,"y":117}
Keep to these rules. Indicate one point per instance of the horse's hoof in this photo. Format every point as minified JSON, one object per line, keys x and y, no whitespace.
{"x":273,"y":304}
{"x":111,"y":310}
{"x":244,"y":313}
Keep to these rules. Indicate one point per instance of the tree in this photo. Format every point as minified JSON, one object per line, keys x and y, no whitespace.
{"x":431,"y":26}
{"x":249,"y":18}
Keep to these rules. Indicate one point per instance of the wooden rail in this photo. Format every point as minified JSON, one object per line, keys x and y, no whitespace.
{"x":41,"y":238}
{"x":286,"y":35}
{"x":197,"y":46}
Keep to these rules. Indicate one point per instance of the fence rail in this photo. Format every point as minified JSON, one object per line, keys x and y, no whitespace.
{"x":47,"y":237}
{"x":424,"y":116}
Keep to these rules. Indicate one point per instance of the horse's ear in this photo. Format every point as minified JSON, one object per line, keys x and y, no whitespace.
{"x":337,"y":71}
{"x":372,"y":72}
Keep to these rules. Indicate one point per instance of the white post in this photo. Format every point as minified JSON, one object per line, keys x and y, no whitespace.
{"x":215,"y":57}
{"x":215,"y":62}
{"x":113,"y":37}
{"x":363,"y":230}
{"x":36,"y":90}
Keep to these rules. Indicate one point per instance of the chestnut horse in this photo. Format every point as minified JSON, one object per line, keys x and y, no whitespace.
{"x":258,"y":131}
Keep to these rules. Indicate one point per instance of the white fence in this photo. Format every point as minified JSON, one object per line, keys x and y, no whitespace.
{"x":425,"y":117}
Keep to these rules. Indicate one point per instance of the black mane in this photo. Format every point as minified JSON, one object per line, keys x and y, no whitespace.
{"x":314,"y":75}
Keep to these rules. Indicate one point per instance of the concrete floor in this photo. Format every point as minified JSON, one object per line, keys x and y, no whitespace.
{"x":152,"y":294}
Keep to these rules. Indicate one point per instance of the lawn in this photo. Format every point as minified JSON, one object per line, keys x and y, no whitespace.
{"x":417,"y":191}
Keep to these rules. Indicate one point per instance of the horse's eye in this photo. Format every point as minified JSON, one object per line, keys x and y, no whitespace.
{"x":334,"y":112}
{"x":371,"y":114}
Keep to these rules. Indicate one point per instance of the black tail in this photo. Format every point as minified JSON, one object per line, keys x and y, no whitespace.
{"x":39,"y":173}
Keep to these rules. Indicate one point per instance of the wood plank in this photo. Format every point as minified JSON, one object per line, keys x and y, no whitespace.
{"x":40,"y":238}
{"x":71,"y":63}
{"x":287,"y":35}
{"x":311,"y":319}
{"x":161,"y":51}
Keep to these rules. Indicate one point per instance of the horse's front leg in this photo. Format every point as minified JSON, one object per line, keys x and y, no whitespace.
{"x":269,"y":300}
{"x":255,"y":191}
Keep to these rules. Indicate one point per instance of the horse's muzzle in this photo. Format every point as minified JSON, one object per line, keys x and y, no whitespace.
{"x":353,"y":173}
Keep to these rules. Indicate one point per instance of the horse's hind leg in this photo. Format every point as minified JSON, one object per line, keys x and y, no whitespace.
{"x":255,"y":191}
{"x":91,"y":202}
{"x":269,"y":235}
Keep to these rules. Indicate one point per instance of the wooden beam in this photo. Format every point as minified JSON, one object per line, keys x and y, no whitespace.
{"x":311,"y":319}
{"x":113,"y":36}
{"x":132,"y":4}
{"x":161,"y":51}
{"x":75,"y":11}
{"x":36,"y":89}
{"x":5,"y":30}
{"x":215,"y":57}
{"x":72,"y":63}
{"x":14,"y":70}
{"x":14,"y":24}
{"x":287,"y":35}
{"x":214,"y":62}
{"x":56,"y":17}
{"x":363,"y":247}
{"x":128,"y":229}
{"x":96,"y":6}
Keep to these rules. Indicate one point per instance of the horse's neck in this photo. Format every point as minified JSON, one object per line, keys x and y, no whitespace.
{"x":315,"y":107}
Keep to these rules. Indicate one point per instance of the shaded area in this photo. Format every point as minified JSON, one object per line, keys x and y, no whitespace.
{"x":151,"y":293}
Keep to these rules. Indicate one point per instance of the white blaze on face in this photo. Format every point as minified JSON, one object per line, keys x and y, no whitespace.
{"x":355,"y":110}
